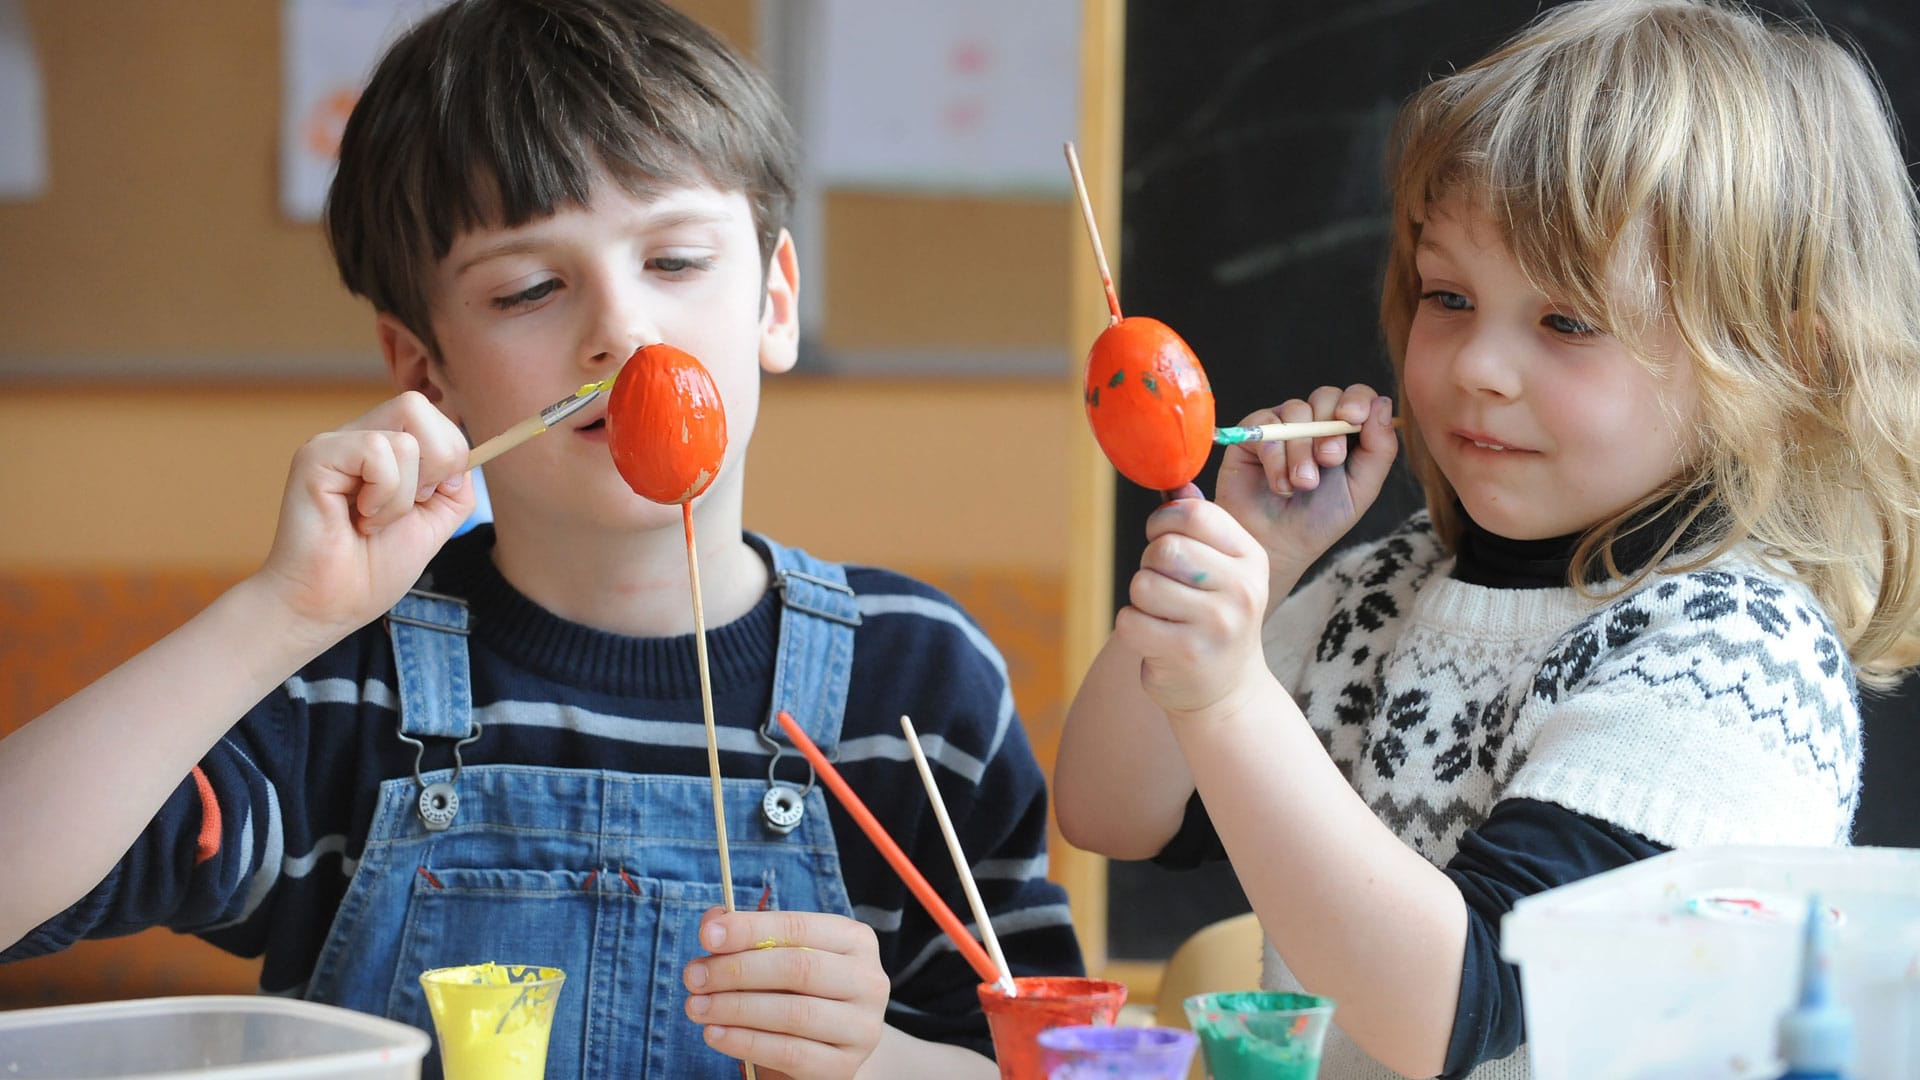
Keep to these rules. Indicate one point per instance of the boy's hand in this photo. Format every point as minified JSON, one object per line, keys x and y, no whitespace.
{"x":365,"y":508}
{"x":797,"y":991}
{"x":1299,"y":497}
{"x":1195,"y":608}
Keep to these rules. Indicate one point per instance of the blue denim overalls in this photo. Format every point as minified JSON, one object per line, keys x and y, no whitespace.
{"x":602,"y":874}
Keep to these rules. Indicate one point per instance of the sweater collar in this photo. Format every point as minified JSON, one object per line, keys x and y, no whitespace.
{"x":507,"y":623}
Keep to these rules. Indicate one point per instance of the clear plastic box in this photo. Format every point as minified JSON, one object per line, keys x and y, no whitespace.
{"x":207,"y":1038}
{"x":1682,"y":965}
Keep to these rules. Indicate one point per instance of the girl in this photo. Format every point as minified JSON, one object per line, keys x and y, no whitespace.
{"x":1653,"y":304}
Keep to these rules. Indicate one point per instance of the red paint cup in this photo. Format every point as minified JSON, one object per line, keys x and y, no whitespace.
{"x":1042,"y":1002}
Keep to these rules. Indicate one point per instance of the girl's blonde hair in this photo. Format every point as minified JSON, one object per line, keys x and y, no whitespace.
{"x":1745,"y":175}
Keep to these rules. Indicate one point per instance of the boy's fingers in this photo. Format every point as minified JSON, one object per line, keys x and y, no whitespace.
{"x":733,"y":932}
{"x":794,"y":969}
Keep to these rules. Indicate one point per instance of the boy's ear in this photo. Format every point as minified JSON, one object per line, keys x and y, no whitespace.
{"x":410,"y":364}
{"x":780,"y":319}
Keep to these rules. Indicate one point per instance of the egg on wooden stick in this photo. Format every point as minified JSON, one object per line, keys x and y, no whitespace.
{"x":667,"y":430}
{"x":1148,"y":400}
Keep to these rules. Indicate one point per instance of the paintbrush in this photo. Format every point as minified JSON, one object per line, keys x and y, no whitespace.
{"x":537,"y":423}
{"x":1308,"y":429}
{"x":916,"y":883}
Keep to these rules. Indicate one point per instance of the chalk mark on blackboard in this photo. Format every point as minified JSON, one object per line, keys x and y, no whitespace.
{"x":1262,"y":53}
{"x":1300,"y":247}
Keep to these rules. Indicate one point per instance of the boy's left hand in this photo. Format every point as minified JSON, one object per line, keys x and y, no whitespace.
{"x":801,"y":992}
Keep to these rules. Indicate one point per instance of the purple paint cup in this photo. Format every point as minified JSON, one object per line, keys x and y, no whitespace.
{"x":1116,"y":1053}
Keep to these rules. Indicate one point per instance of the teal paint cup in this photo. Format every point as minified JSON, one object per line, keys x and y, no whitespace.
{"x":1260,"y":1034}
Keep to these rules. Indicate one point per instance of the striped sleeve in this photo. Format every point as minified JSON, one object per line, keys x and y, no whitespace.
{"x":916,"y":653}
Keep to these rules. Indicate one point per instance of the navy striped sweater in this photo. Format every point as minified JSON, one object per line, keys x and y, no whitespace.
{"x":254,"y":851}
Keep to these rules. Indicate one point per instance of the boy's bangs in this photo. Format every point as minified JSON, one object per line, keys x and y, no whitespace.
{"x":541,"y":148}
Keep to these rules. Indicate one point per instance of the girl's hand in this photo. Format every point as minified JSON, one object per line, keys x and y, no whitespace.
{"x":801,"y":992}
{"x":1195,"y":609}
{"x":1299,"y":497}
{"x":365,"y":508}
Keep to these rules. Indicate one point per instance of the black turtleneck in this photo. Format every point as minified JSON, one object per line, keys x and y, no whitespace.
{"x":1496,"y":562}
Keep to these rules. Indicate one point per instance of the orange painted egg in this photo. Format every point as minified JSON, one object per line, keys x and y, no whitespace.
{"x":1149,"y":403}
{"x":666,"y":425}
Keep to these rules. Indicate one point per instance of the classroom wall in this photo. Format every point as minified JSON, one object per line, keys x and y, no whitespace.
{"x":167,"y":340}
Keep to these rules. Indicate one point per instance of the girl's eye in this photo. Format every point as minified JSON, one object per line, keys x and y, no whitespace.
{"x":679,"y":265}
{"x":527,"y":296}
{"x":1452,"y":301}
{"x":1567,"y":324}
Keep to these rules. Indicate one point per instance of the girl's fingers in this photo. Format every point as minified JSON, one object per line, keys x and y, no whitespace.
{"x":1368,"y":467}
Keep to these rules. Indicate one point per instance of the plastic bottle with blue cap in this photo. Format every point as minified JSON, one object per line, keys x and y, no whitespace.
{"x":1816,"y":1036}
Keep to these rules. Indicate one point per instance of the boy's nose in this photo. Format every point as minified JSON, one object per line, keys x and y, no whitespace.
{"x":620,"y":325}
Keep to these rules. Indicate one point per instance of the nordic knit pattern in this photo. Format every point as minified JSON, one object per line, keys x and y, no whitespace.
{"x":296,"y":781}
{"x":1712,"y":707}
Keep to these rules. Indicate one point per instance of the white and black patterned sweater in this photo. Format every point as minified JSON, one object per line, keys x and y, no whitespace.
{"x":1712,"y":707}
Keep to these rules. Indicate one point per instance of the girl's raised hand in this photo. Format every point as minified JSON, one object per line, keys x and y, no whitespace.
{"x":1195,"y":608}
{"x":796,"y":991}
{"x":1297,"y":498}
{"x":364,"y":509}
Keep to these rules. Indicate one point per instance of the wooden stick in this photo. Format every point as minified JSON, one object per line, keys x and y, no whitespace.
{"x":706,"y":703}
{"x":1308,"y":429}
{"x":1005,"y":982}
{"x":706,"y":712}
{"x":1093,"y":231}
{"x":915,"y":882}
{"x":506,"y":440}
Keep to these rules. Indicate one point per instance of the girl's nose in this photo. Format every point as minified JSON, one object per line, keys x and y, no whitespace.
{"x":1487,"y":362}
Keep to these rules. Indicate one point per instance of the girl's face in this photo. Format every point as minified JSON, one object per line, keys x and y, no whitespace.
{"x":1543,"y":424}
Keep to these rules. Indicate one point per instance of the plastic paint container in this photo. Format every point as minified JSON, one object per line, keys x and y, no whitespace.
{"x":1042,"y":1002}
{"x":1116,"y":1053}
{"x":1697,"y":954}
{"x":493,"y":1019}
{"x":1260,"y":1034}
{"x":206,"y":1037}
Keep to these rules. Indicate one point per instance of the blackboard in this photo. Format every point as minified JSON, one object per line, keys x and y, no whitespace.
{"x":1254,"y":216}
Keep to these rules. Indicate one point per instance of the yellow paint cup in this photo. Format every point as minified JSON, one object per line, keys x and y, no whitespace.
{"x":493,"y":1019}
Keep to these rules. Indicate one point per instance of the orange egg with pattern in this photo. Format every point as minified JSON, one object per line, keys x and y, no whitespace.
{"x":1149,"y":403}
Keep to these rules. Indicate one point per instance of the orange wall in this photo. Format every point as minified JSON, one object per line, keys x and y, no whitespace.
{"x":922,"y":475}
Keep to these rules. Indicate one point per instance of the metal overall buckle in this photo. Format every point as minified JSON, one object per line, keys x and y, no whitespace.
{"x":782,"y":807}
{"x":439,"y":802}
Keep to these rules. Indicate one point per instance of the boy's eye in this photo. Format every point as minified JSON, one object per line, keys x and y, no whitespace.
{"x":527,"y":296}
{"x":1567,"y":324}
{"x":675,"y":265}
{"x":1452,"y":301}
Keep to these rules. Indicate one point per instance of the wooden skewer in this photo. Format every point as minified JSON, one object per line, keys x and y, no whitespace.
{"x":1005,"y":981}
{"x":915,"y":881}
{"x":1309,"y":429}
{"x":706,"y":713}
{"x":1093,"y":231}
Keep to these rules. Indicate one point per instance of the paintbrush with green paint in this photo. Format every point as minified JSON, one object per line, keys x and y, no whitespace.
{"x":537,"y":423}
{"x":1308,"y":429}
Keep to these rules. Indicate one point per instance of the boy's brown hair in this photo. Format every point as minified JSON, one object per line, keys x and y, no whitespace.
{"x":497,"y":112}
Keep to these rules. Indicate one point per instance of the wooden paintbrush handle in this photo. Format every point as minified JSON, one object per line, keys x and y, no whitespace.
{"x":506,"y":440}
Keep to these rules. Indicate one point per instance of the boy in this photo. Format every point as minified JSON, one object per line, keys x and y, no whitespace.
{"x":511,"y":764}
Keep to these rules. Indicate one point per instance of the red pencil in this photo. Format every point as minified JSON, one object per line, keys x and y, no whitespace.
{"x":942,"y":914}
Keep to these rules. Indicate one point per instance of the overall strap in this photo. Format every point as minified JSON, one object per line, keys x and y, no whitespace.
{"x":815,"y":660}
{"x":429,"y":633}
